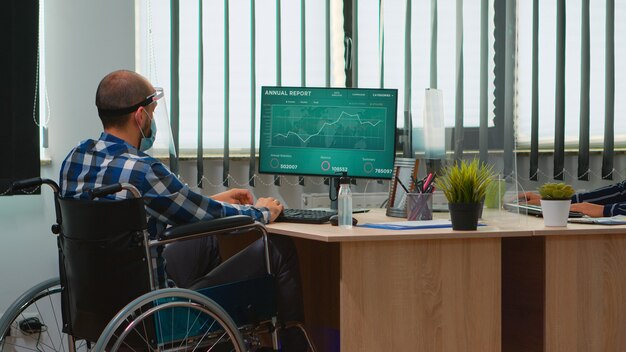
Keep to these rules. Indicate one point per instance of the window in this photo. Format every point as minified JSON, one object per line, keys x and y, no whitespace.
{"x":153,"y":39}
{"x":547,"y":60}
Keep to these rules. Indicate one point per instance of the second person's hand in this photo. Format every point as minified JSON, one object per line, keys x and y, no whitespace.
{"x":589,"y":209}
{"x":530,"y":198}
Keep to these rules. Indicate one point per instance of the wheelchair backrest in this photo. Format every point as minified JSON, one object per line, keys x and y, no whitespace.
{"x":102,"y":260}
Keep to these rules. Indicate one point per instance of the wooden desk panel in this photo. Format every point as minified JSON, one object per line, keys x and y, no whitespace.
{"x":585,"y":293}
{"x":431,"y":295}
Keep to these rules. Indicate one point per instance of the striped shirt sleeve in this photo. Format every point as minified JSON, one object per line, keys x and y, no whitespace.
{"x":613,"y":198}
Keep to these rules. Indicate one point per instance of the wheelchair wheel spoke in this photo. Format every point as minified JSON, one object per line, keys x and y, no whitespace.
{"x":196,"y":324}
{"x":190,"y":327}
{"x":172,"y":324}
{"x":145,"y":329}
{"x":183,"y":341}
{"x":19,"y":347}
{"x":143,"y":337}
{"x":205,"y":335}
{"x":44,"y":302}
{"x":83,"y":344}
{"x":56,"y":322}
{"x":129,"y":347}
{"x":216,"y":342}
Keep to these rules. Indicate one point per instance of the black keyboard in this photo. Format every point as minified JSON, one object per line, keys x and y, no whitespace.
{"x":306,"y":216}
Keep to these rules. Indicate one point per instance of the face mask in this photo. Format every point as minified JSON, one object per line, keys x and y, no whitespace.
{"x":147,"y":142}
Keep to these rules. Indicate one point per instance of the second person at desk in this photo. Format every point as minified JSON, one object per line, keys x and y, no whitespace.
{"x":604,"y":201}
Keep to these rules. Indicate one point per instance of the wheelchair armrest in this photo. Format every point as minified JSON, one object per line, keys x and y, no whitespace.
{"x":33,"y":182}
{"x":215,"y":225}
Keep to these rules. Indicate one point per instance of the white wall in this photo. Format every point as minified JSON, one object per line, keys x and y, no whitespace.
{"x":84,"y":41}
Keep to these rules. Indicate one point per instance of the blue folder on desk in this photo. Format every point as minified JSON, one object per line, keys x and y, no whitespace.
{"x":410,"y":225}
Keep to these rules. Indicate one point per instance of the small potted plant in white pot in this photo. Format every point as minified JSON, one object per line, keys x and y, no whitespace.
{"x":555,"y":202}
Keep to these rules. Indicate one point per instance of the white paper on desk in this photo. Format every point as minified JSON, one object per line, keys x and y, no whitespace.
{"x":613,"y":220}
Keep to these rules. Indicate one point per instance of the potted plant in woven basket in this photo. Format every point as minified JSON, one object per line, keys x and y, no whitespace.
{"x":555,"y":201}
{"x":464,"y":184}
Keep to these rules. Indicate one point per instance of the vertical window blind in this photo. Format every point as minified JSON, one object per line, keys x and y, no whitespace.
{"x":175,"y":79}
{"x":200,"y":101}
{"x":568,"y":58}
{"x":583,"y":136}
{"x":609,"y":88}
{"x":545,"y":100}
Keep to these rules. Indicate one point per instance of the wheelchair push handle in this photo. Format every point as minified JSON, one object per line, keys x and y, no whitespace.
{"x":111,"y":189}
{"x":33,"y":182}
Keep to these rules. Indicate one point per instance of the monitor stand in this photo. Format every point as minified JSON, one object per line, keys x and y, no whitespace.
{"x":332,"y":194}
{"x":333,"y":191}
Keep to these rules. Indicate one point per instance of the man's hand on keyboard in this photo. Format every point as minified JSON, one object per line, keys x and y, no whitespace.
{"x":272,"y":204}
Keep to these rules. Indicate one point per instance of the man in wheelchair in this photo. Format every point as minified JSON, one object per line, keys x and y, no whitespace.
{"x":126,"y":104}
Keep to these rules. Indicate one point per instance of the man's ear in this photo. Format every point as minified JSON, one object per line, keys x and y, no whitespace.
{"x":139,"y":116}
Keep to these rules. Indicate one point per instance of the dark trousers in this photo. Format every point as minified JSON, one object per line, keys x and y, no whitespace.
{"x":197,"y":264}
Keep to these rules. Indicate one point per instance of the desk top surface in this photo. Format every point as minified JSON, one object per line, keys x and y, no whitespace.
{"x":499,"y":223}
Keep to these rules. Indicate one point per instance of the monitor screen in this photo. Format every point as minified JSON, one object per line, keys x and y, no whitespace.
{"x":327,"y":131}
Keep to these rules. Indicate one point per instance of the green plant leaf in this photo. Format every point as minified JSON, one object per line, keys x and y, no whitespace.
{"x":556,"y":191}
{"x":465,"y":181}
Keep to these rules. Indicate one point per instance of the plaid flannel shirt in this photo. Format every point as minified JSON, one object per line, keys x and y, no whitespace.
{"x":109,"y":160}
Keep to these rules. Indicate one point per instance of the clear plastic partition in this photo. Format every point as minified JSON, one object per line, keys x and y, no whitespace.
{"x":436,"y":144}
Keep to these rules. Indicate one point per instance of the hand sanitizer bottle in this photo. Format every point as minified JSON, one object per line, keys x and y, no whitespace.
{"x":344,"y":200}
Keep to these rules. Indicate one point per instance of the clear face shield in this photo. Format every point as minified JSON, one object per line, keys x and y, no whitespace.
{"x":164,"y":137}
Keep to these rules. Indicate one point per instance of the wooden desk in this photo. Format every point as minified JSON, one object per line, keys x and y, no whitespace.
{"x":416,"y":290}
{"x":511,"y":286}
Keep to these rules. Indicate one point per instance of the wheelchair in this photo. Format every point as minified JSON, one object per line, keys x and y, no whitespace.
{"x":109,"y":297}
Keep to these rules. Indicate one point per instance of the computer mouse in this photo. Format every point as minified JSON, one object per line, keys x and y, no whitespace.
{"x":334,"y":220}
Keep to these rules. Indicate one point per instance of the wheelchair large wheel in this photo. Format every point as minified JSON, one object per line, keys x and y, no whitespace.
{"x":171,"y":319}
{"x":21,"y":332}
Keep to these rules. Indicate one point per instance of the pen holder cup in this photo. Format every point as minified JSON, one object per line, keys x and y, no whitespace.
{"x":419,"y":206}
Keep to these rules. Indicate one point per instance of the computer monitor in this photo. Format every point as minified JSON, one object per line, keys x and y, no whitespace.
{"x":328,"y":131}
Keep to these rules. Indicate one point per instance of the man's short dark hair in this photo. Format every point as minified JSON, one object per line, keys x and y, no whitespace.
{"x":118,"y":90}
